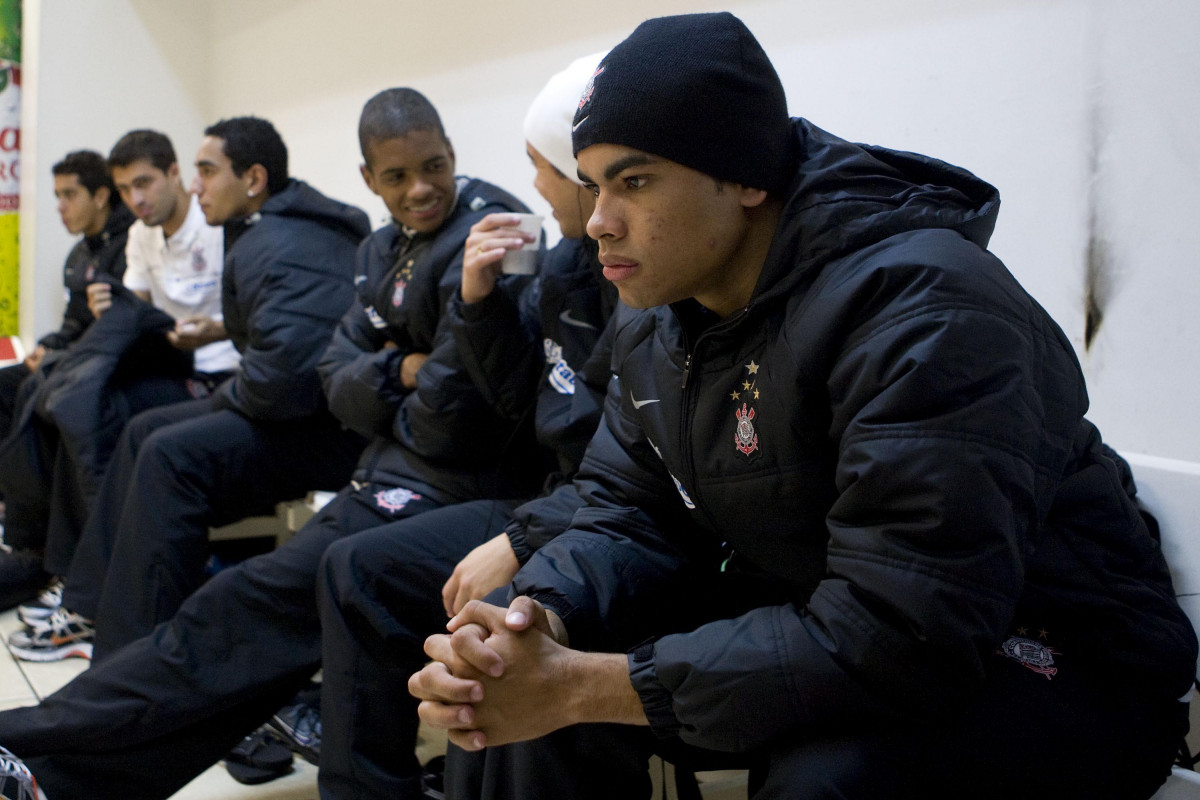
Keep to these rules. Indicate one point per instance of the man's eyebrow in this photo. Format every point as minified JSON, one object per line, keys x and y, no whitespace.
{"x":633,"y":160}
{"x":204,"y":162}
{"x":621,"y":164}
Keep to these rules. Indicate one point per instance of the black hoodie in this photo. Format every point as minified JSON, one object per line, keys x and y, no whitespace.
{"x":288,"y":279}
{"x":92,"y":257}
{"x":889,"y":441}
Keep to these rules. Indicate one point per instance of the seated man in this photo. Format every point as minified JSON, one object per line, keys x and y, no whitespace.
{"x":264,"y":436}
{"x":844,"y":512}
{"x":240,"y":647}
{"x":383,"y":591}
{"x":89,"y":205}
{"x":53,"y":464}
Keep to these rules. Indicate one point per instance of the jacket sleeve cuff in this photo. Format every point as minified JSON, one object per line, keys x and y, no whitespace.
{"x":474,"y":313}
{"x":656,"y":700}
{"x":519,"y":543}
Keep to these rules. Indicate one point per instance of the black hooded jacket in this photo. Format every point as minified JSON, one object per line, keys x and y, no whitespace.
{"x":92,"y":257}
{"x":442,"y":439}
{"x":889,"y":439}
{"x":287,"y":281}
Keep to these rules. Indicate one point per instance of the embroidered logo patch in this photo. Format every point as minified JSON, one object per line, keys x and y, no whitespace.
{"x":198,"y":262}
{"x":589,"y":89}
{"x":395,"y":499}
{"x":744,"y":436}
{"x":1031,"y":654}
{"x":398,"y":293}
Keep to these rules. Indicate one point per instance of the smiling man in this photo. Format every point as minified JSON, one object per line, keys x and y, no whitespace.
{"x":845,"y":516}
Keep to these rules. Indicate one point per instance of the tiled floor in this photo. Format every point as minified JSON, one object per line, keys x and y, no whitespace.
{"x":23,"y":684}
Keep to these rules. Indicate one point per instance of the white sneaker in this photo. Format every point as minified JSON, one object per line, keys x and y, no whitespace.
{"x":46,"y":604}
{"x":64,"y":634}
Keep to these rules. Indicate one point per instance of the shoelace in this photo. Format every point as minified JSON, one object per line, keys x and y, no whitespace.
{"x":58,"y":622}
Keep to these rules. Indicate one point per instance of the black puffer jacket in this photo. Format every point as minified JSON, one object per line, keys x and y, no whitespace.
{"x":558,"y":360}
{"x":287,"y":281}
{"x":891,"y":437}
{"x":90,"y":258}
{"x":441,"y":439}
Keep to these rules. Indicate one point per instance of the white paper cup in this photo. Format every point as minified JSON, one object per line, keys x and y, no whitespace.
{"x":524,"y":261}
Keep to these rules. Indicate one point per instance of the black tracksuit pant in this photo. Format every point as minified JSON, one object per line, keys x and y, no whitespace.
{"x":141,"y":723}
{"x":380,"y":596}
{"x":48,"y":505}
{"x":178,"y":470}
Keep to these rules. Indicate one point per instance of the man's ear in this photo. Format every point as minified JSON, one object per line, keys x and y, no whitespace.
{"x":101,"y":196}
{"x":258,"y":179}
{"x":450,"y":150}
{"x":368,"y":177}
{"x":752,"y":198}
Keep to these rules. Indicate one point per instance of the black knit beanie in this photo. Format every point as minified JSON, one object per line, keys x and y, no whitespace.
{"x":696,"y":89}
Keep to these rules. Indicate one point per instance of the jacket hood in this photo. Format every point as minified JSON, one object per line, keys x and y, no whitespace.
{"x":298,"y":199}
{"x":847,"y":196}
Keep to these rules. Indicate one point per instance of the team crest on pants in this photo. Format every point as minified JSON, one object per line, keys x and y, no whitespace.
{"x":395,"y":499}
{"x":1031,"y":654}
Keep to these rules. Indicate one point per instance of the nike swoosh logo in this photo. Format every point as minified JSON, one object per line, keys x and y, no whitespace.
{"x":578,"y":323}
{"x":639,"y":403}
{"x":575,"y":127}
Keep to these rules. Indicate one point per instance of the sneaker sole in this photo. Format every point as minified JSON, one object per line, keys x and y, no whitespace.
{"x":73,"y":650}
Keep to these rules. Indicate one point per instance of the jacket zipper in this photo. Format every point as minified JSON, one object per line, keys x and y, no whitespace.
{"x":685,"y":415}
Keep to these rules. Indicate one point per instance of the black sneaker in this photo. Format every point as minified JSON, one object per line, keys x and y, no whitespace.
{"x":21,"y":577}
{"x":299,"y":725}
{"x":16,"y":781}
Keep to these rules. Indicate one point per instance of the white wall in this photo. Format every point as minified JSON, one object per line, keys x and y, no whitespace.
{"x":93,"y":71}
{"x":1081,"y":112}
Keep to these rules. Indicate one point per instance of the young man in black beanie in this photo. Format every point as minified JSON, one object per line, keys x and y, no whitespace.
{"x":844,"y":512}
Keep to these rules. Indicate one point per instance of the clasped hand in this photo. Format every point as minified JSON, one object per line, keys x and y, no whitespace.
{"x":499,"y":676}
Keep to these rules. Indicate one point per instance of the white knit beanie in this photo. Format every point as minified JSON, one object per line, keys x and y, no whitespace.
{"x":548,"y":121}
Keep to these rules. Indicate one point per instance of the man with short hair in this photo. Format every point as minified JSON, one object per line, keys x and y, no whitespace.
{"x":845,"y":516}
{"x":175,"y":255}
{"x":264,"y":436}
{"x":89,"y":205}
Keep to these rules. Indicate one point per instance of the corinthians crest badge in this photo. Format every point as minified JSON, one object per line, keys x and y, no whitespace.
{"x":745,"y":438}
{"x":1031,"y":654}
{"x":744,"y":435}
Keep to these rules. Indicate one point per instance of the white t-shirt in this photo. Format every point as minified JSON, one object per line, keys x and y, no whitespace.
{"x":183,"y":276}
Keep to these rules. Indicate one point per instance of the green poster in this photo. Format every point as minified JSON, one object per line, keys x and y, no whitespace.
{"x":10,"y":162}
